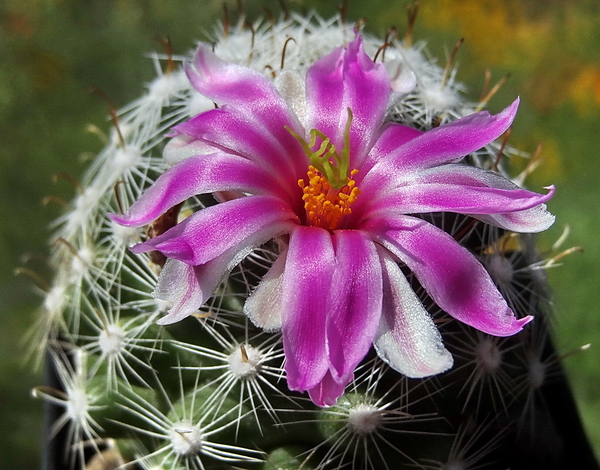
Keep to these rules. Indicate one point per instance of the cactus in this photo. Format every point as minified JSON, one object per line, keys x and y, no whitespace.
{"x":210,"y":391}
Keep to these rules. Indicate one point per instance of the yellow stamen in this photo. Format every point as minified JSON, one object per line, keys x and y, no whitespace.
{"x":329,"y":190}
{"x":325,"y":205}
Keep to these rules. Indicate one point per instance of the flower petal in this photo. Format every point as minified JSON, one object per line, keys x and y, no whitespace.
{"x":263,"y":306}
{"x":536,"y":219}
{"x":451,"y":275}
{"x":441,"y":145}
{"x":391,"y":136}
{"x":457,"y":188}
{"x":423,"y":198}
{"x":306,"y":286}
{"x":257,"y":112}
{"x":239,"y":131}
{"x":183,"y":146}
{"x":407,"y":338}
{"x":179,"y":283}
{"x":328,"y":390}
{"x":347,"y":79}
{"x":188,"y":287}
{"x":355,"y":302}
{"x":206,"y":234}
{"x":227,"y":83}
{"x":198,"y":175}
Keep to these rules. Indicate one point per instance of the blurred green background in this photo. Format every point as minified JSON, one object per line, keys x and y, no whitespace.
{"x":53,"y":51}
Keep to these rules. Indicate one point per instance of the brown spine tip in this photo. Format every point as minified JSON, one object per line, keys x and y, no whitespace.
{"x":411,"y":11}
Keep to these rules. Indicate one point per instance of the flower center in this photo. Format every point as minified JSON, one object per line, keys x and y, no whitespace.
{"x":325,"y":205}
{"x":329,"y":190}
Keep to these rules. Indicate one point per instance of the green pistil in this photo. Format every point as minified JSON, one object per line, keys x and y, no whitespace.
{"x":326,"y":159}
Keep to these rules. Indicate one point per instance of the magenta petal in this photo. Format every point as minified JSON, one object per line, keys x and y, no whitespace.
{"x":441,"y":145}
{"x":257,"y":110}
{"x":407,"y":338}
{"x":325,"y":95}
{"x":391,"y":136}
{"x":347,"y":79}
{"x":327,"y":391}
{"x":355,"y":302}
{"x":534,"y":218}
{"x":306,"y":286}
{"x":198,"y":175}
{"x":239,"y":131}
{"x":439,"y":197}
{"x":227,"y":83}
{"x":453,"y":277}
{"x":244,"y":222}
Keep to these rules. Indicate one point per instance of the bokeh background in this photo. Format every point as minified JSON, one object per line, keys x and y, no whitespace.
{"x":53,"y":51}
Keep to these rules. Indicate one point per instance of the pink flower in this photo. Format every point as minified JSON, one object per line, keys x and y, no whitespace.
{"x":340,"y":199}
